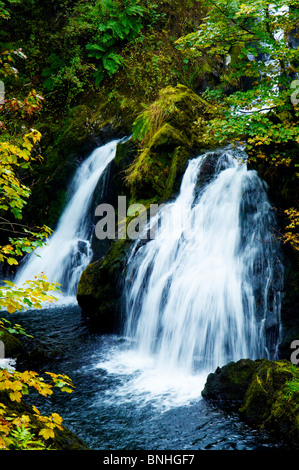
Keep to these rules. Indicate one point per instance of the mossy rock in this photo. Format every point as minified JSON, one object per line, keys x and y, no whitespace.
{"x":100,"y":287}
{"x":265,"y":393}
{"x":125,"y":154}
{"x":156,"y":173}
{"x":13,"y":346}
{"x":113,"y":114}
{"x":284,"y":415}
{"x":228,"y":384}
{"x":167,"y":130}
{"x":266,"y":383}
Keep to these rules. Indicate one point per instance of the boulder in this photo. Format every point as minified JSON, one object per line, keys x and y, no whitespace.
{"x":99,"y":291}
{"x":169,"y":133}
{"x":264,"y":393}
{"x":13,"y":346}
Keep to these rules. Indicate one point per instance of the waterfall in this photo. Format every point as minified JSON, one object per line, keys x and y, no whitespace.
{"x":68,"y":251}
{"x":205,"y":290}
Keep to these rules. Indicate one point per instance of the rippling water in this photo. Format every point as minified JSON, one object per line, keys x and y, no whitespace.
{"x":116,"y":404}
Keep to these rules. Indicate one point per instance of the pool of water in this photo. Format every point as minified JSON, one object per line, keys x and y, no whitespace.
{"x":122,"y":401}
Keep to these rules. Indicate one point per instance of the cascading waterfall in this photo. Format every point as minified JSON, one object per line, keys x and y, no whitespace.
{"x":68,"y":250}
{"x":205,"y":289}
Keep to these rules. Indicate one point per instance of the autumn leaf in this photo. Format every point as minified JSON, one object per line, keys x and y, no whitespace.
{"x":11,"y":309}
{"x":47,"y":433}
{"x":15,"y":396}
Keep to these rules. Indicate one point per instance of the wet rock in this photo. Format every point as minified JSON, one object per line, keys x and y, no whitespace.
{"x":13,"y":346}
{"x":99,"y":291}
{"x":227,"y":385}
{"x":265,"y":394}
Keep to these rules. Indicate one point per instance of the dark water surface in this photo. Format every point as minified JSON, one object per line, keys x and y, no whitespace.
{"x":109,"y":409}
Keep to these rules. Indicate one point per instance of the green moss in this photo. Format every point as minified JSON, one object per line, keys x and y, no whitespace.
{"x":13,"y":346}
{"x":265,"y":393}
{"x":228,"y":384}
{"x":99,"y":289}
{"x":262,"y":392}
{"x":168,"y":136}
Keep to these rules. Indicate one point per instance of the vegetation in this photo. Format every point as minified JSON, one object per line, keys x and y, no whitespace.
{"x":252,"y":104}
{"x":181,"y":76}
{"x":168,"y":135}
{"x":264,"y":393}
{"x":19,"y":432}
{"x":17,"y":151}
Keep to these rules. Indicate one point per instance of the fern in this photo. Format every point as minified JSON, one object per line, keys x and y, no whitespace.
{"x":118,"y":22}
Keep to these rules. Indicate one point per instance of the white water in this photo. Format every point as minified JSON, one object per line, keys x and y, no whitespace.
{"x":68,"y":251}
{"x":206,"y":290}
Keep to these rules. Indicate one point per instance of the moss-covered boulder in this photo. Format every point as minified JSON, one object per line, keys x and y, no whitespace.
{"x":13,"y":346}
{"x":169,"y":133}
{"x":228,"y":384}
{"x":100,"y":288}
{"x":265,"y":393}
{"x":272,"y":395}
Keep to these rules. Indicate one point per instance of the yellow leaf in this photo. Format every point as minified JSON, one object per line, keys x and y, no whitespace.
{"x":11,"y":309}
{"x":47,"y":433}
{"x":35,"y":410}
{"x":15,"y":396}
{"x":16,"y":386}
{"x":56,"y":418}
{"x":12,"y":261}
{"x":2,"y":443}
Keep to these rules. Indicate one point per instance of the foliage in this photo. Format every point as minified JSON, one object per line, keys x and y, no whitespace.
{"x":119,"y":21}
{"x":13,"y":329}
{"x":93,"y":36}
{"x":292,"y":229}
{"x":252,"y":41}
{"x":69,"y":79}
{"x":17,"y":151}
{"x":71,"y":43}
{"x":31,"y":294}
{"x":13,"y":193}
{"x":4,"y":12}
{"x":16,"y":156}
{"x":28,"y":431}
{"x":292,"y":386}
{"x":255,"y":37}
